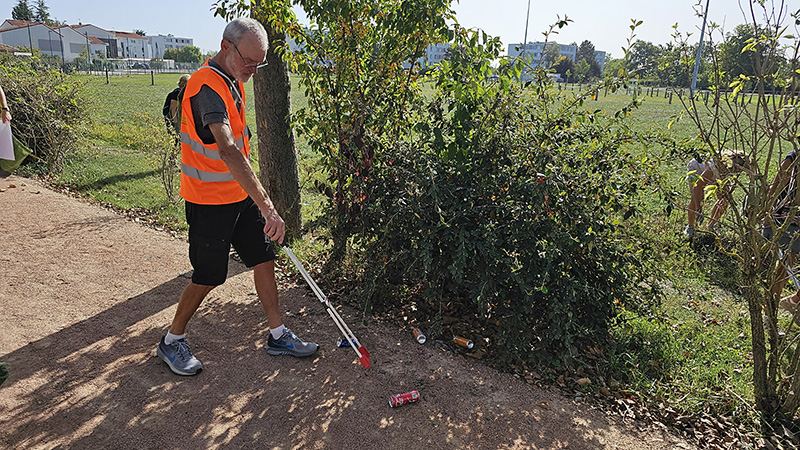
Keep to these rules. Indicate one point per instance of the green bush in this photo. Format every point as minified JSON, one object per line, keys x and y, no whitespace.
{"x":523,"y":219}
{"x":48,"y":113}
{"x":507,"y":204}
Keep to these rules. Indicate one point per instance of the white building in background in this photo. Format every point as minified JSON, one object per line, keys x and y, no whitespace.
{"x":434,"y":55}
{"x":103,"y":35}
{"x":536,"y":51}
{"x":21,"y":33}
{"x":75,"y":43}
{"x":132,"y":45}
{"x":161,"y":43}
{"x":69,"y":41}
{"x":61,"y":41}
{"x":600,"y":57}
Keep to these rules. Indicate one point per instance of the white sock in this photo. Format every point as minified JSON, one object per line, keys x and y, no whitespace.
{"x":170,"y":338}
{"x":277,"y":332}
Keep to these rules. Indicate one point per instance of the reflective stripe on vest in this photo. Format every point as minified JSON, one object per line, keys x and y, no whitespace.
{"x":197,"y":147}
{"x":209,"y":177}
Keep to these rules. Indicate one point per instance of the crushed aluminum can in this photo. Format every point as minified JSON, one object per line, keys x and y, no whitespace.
{"x":464,"y":342}
{"x":419,"y":336}
{"x":341,"y":342}
{"x":404,"y":398}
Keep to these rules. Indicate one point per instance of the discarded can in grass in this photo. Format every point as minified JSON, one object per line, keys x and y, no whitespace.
{"x":419,"y":336}
{"x":341,"y":342}
{"x":464,"y":342}
{"x":404,"y":398}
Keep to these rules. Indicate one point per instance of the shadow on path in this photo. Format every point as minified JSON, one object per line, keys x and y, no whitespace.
{"x":103,"y":182}
{"x":97,"y":384}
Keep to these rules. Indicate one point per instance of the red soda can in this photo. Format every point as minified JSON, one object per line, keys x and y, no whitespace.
{"x":404,"y":398}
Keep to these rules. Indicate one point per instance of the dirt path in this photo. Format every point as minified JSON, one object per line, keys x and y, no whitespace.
{"x":85,"y":295}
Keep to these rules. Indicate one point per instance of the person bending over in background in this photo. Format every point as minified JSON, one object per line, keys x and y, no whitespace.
{"x":701,"y":174}
{"x":785,"y":181}
{"x":171,"y":107}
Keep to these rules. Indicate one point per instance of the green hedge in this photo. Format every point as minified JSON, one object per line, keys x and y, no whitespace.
{"x":507,"y":205}
{"x":48,"y":113}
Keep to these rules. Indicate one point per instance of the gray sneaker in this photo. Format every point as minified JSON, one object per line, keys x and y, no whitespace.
{"x":689,"y":231}
{"x":290,"y":344}
{"x":768,"y":325}
{"x":179,"y":358}
{"x":790,"y":303}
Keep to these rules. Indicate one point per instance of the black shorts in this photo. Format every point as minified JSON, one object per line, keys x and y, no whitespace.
{"x":787,"y":238}
{"x":212,"y":231}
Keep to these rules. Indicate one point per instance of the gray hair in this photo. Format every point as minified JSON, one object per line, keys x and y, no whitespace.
{"x":240,"y":27}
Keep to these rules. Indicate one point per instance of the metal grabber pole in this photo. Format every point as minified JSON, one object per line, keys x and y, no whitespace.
{"x":361,"y":351}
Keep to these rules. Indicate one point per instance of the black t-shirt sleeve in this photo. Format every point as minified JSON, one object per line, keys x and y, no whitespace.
{"x":207,"y":108}
{"x":173,"y":95}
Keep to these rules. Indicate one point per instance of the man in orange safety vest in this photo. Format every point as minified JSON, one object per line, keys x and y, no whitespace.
{"x":226,"y":205}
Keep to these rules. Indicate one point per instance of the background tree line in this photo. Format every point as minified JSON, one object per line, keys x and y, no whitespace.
{"x":583,"y":69}
{"x":670,"y":64}
{"x":38,"y":12}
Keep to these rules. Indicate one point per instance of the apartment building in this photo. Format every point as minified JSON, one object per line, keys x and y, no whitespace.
{"x":160,"y":43}
{"x":536,"y":50}
{"x":69,"y":41}
{"x":61,"y":41}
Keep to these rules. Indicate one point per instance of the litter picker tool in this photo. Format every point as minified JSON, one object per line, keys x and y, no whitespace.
{"x":790,"y":272}
{"x":361,"y":351}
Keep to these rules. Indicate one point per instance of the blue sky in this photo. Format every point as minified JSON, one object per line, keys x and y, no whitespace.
{"x":604,"y":22}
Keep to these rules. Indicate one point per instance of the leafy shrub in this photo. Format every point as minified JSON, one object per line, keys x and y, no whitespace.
{"x":359,"y":93}
{"x":499,"y":202}
{"x":515,"y":205}
{"x":49,"y":115}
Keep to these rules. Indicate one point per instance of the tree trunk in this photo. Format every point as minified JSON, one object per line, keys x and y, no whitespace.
{"x":760,"y":384}
{"x":763,"y":389}
{"x":277,"y":153}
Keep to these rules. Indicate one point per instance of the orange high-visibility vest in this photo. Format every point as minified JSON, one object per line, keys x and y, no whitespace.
{"x":205,"y":178}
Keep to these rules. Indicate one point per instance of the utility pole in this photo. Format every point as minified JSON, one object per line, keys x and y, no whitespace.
{"x":88,"y":53}
{"x":525,"y":39}
{"x":699,"y":50}
{"x":527,"y":17}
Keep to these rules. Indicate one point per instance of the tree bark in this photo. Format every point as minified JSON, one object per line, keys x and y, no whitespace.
{"x":763,"y":390}
{"x":277,"y":152}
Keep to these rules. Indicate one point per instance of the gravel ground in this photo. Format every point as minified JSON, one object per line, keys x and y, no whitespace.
{"x":86,"y":294}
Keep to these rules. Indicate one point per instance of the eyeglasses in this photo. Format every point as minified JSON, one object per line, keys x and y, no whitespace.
{"x":249,"y":66}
